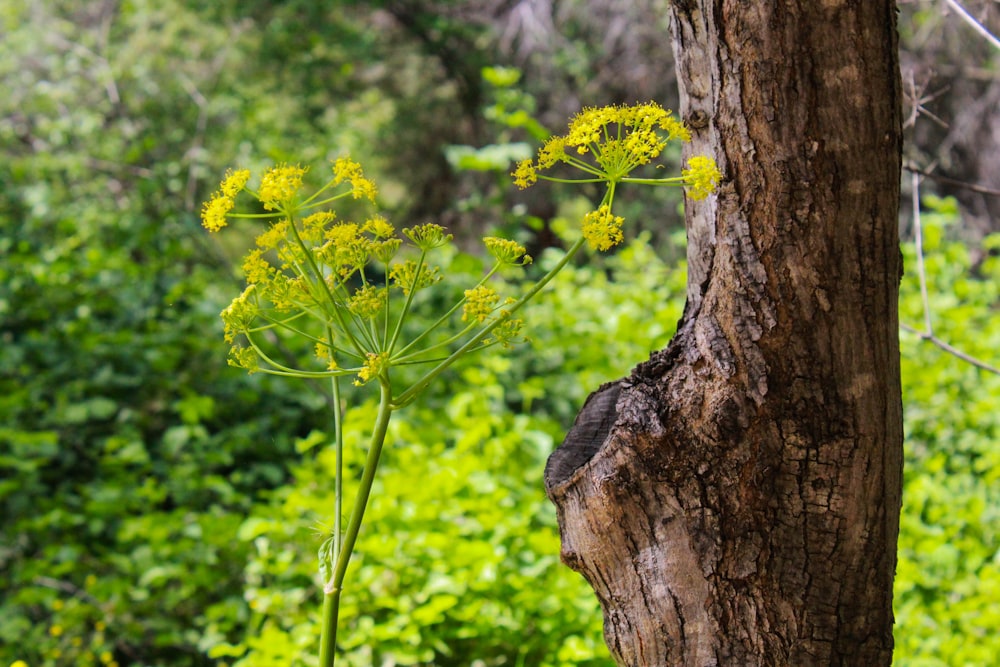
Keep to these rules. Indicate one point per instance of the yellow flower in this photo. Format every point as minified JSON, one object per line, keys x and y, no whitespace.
{"x":19,"y":663}
{"x":587,"y":127}
{"x":367,"y":302}
{"x":256,"y":268}
{"x":404,"y":276}
{"x":702,"y":176}
{"x":244,"y":357}
{"x":279,"y":184}
{"x":238,"y":316}
{"x":56,"y":630}
{"x":507,"y":332}
{"x":346,"y":169}
{"x":620,"y":139}
{"x":274,"y":236}
{"x":524,"y":174}
{"x":506,"y":251}
{"x":234,"y":182}
{"x":386,"y":250}
{"x":479,"y":303}
{"x":213,"y":212}
{"x":428,"y":236}
{"x":379,"y":227}
{"x":314,"y":226}
{"x":602,"y":230}
{"x":374,"y":364}
{"x":552,"y":151}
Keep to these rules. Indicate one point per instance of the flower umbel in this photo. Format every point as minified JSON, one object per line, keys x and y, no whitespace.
{"x":701,"y":177}
{"x":506,"y":251}
{"x":602,"y":229}
{"x":479,"y":303}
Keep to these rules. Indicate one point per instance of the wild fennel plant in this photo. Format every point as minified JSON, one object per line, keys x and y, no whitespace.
{"x":347,"y":288}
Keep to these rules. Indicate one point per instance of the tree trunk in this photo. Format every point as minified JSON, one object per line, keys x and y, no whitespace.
{"x":735,"y":501}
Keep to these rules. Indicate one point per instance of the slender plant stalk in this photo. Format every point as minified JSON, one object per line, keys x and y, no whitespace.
{"x":333,"y":588}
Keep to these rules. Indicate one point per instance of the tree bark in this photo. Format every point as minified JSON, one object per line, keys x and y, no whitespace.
{"x":735,"y":501}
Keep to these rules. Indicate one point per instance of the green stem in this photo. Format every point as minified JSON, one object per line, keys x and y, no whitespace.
{"x":334,"y":587}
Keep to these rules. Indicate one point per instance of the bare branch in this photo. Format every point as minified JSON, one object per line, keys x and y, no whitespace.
{"x":976,"y":25}
{"x":928,"y":332}
{"x":981,"y":189}
{"x":950,"y":349}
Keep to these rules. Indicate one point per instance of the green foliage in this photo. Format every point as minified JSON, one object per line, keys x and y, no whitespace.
{"x":948,"y":577}
{"x":157,"y":507}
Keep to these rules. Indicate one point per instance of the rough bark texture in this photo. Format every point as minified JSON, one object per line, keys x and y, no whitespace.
{"x":735,"y":501}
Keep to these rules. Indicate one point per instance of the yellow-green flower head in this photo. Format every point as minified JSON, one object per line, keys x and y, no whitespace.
{"x":279,"y":185}
{"x":428,"y":236}
{"x":525,"y":174}
{"x":702,"y":176}
{"x":367,"y":302}
{"x":346,"y":169}
{"x":479,"y":303}
{"x":507,"y":332}
{"x":374,"y":364}
{"x":234,"y":182}
{"x":405,"y":276}
{"x":379,"y":227}
{"x":385,"y":250}
{"x":506,"y":251}
{"x":602,"y":229}
{"x":274,"y":236}
{"x":256,"y":268}
{"x":214,"y":211}
{"x":314,"y":226}
{"x":239,"y":315}
{"x":244,"y":357}
{"x":620,"y":139}
{"x":552,"y":151}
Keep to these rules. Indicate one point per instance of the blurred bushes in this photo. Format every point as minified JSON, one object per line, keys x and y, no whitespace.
{"x":948,"y":576}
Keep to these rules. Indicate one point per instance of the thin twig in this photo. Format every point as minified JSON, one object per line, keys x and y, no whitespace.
{"x":928,"y":332}
{"x":919,"y":244}
{"x":976,"y":25}
{"x":951,"y":350}
{"x":981,"y":189}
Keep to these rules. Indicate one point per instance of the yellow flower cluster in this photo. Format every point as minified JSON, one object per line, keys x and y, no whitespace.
{"x":506,"y":251}
{"x":702,"y":176}
{"x":215,"y":210}
{"x":367,"y":302}
{"x":374,"y":364}
{"x":620,"y":138}
{"x":346,"y":169}
{"x":279,"y":185}
{"x":428,"y":236}
{"x":404,"y":276}
{"x":479,"y":303}
{"x":602,"y":229}
{"x":309,"y":275}
{"x":507,"y":332}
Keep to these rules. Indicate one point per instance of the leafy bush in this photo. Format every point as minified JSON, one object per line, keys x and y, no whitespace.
{"x":948,"y":577}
